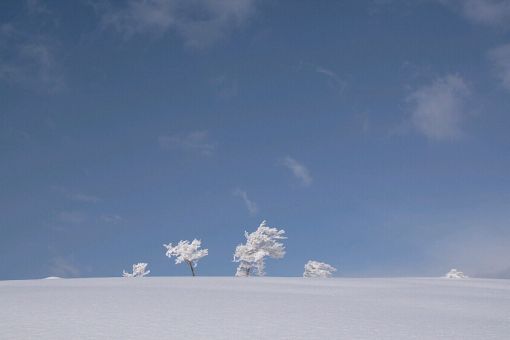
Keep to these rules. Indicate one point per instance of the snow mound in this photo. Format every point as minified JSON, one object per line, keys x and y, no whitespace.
{"x":255,"y":308}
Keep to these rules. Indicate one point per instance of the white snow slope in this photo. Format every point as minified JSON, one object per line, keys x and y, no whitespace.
{"x":255,"y":308}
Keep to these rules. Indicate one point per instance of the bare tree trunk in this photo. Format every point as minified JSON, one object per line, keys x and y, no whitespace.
{"x":191,"y":267}
{"x":248,"y":271}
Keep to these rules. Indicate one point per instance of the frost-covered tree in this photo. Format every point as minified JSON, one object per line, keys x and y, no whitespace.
{"x":318,"y":269}
{"x":260,"y":244}
{"x":455,"y":274}
{"x":186,"y":252}
{"x":138,"y":270}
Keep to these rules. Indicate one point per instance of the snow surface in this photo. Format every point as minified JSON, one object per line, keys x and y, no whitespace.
{"x":255,"y":308}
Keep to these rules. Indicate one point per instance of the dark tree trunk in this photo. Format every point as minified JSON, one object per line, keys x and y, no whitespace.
{"x":191,"y":267}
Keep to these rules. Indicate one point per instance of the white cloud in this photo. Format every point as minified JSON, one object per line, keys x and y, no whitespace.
{"x":298,"y":170}
{"x":199,"y":23}
{"x":492,"y":13}
{"x":225,"y":87}
{"x":37,"y":7}
{"x":440,"y":108}
{"x":335,"y":81}
{"x":196,"y":141}
{"x":29,"y":60}
{"x":500,"y":57}
{"x":111,"y":218}
{"x":75,"y":196}
{"x":71,"y":217}
{"x":480,"y":251}
{"x":488,"y":12}
{"x":250,"y":205}
{"x":62,"y":267}
{"x":84,"y":198}
{"x":7,"y":30}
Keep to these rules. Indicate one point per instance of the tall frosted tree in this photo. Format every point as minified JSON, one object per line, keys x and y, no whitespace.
{"x":260,"y":244}
{"x":186,"y":252}
{"x":318,"y":269}
{"x":138,"y":270}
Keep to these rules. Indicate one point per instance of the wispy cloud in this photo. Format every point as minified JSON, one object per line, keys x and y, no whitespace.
{"x":84,"y":198}
{"x":480,"y":251}
{"x":111,"y":218}
{"x":16,"y":135}
{"x":335,"y":81}
{"x":440,"y":108}
{"x":199,"y":23}
{"x":63,"y":267}
{"x":71,"y":217}
{"x":29,"y":60}
{"x":298,"y":170}
{"x":250,"y":205}
{"x":197,"y":141}
{"x":75,"y":196}
{"x":487,"y":12}
{"x":500,"y":57}
{"x":37,"y":7}
{"x":225,"y":87}
{"x":491,"y":13}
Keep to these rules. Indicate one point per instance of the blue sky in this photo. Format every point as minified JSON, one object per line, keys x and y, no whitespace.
{"x":374,"y":132}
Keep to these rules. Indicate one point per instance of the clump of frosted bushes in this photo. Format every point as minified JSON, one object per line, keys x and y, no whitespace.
{"x":263,"y":243}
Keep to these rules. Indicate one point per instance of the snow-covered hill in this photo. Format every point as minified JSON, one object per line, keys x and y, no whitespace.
{"x":255,"y":308}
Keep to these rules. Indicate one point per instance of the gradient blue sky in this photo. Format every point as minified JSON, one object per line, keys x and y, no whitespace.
{"x":376,"y":133}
